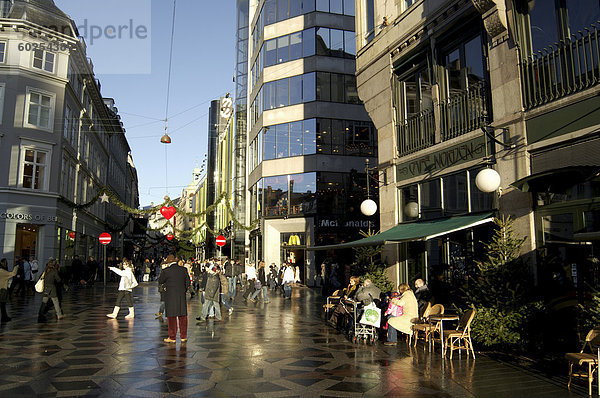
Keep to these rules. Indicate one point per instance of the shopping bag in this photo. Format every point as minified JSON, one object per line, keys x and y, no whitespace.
{"x":146,"y":278}
{"x":371,"y":315}
{"x":39,"y":286}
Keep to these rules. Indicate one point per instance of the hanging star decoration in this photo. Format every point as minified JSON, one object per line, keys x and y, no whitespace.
{"x":104,"y":198}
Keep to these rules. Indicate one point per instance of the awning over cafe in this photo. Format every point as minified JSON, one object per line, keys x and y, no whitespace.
{"x":556,"y":180}
{"x":413,"y":231}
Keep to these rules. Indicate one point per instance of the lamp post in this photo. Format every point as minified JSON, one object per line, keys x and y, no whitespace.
{"x":368,"y":207}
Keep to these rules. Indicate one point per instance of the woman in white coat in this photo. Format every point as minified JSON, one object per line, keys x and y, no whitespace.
{"x":410,"y":311}
{"x":126,"y":285}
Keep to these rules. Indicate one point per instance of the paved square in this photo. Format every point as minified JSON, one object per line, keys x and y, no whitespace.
{"x":280,"y":349}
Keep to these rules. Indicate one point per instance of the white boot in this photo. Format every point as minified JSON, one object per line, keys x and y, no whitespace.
{"x":131,"y":314}
{"x":114,"y":313}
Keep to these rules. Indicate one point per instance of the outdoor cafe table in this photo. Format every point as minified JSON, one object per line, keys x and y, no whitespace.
{"x":440,"y":319}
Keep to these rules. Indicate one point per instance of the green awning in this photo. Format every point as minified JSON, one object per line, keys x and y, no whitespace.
{"x":418,"y":230}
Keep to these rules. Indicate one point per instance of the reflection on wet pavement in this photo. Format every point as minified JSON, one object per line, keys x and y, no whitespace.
{"x":279,"y":349}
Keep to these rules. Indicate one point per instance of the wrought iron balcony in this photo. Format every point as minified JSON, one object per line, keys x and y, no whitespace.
{"x":464,"y":111}
{"x":416,"y":133}
{"x":567,"y":67}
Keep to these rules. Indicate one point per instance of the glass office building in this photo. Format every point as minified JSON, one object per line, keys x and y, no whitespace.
{"x":308,"y":134}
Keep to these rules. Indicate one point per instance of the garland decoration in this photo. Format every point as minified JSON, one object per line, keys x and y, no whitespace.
{"x":107,"y":195}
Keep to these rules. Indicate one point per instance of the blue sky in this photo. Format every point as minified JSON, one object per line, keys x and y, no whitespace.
{"x":202,"y":70}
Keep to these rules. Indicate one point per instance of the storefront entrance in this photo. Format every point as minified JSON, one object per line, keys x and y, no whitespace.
{"x":26,"y":240}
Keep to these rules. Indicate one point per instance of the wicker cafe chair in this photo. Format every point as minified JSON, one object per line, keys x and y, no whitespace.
{"x":583,"y":358}
{"x":437,"y":309}
{"x":461,"y":334}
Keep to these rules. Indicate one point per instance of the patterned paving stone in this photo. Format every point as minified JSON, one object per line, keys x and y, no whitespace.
{"x":281,"y":349}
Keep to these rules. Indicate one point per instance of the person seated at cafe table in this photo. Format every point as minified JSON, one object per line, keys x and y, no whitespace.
{"x":410,"y":311}
{"x":339,"y":315}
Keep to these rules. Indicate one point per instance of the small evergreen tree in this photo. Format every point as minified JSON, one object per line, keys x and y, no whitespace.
{"x":500,"y":290}
{"x":368,"y":265}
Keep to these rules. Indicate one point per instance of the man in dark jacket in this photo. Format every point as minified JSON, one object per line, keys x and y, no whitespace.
{"x":212,"y":294}
{"x":176,"y":282}
{"x":422,"y":294}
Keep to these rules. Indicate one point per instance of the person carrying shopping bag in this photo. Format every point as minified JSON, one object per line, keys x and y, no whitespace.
{"x":126,"y":285}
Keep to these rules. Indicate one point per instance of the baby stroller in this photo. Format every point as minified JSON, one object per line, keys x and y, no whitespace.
{"x":359,"y":331}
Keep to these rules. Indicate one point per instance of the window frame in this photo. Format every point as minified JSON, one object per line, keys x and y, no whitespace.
{"x":44,"y":60}
{"x":37,"y":147}
{"x":26,"y":124}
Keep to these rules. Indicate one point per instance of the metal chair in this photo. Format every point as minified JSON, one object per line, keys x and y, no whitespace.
{"x":461,"y":334}
{"x":582,"y":358}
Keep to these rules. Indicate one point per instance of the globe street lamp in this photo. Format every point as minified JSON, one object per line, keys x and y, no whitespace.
{"x":368,"y":207}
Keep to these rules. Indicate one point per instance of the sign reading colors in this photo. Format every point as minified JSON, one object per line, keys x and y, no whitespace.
{"x":221,"y":240}
{"x":104,"y":238}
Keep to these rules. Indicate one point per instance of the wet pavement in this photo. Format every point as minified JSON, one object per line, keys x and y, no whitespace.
{"x":279,"y":349}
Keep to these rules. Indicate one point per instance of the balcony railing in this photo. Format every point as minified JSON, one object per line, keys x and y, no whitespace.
{"x":416,"y":132}
{"x":567,"y":67}
{"x":464,"y":112}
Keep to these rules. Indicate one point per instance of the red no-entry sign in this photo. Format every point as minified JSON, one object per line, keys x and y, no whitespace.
{"x":221,"y":240}
{"x":104,"y":238}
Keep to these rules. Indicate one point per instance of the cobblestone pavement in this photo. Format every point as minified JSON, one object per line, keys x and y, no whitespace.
{"x":279,"y":349}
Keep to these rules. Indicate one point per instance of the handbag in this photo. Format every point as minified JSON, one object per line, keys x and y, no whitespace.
{"x":371,"y":315}
{"x":39,"y":286}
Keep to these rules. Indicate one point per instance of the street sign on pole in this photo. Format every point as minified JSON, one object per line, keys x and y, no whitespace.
{"x":220,"y":242}
{"x":105,"y":239}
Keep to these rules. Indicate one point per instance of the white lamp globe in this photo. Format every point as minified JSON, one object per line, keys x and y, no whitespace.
{"x":368,"y":207}
{"x":412,"y":209}
{"x":487,"y":180}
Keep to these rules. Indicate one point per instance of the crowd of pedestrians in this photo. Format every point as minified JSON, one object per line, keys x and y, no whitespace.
{"x":214,"y":282}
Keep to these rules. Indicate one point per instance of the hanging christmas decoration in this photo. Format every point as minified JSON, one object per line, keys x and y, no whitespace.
{"x":168,"y":212}
{"x":169,"y":237}
{"x":72,"y":235}
{"x":104,"y":197}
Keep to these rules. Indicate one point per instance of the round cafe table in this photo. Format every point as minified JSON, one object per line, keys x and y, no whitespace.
{"x":440,"y":319}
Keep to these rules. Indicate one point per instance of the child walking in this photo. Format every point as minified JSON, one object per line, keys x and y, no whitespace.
{"x":126,"y":285}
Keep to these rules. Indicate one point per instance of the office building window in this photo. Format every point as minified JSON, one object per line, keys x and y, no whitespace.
{"x":43,"y":60}
{"x":39,"y":110}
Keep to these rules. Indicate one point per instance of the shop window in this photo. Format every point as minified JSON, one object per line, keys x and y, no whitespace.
{"x":331,"y":188}
{"x":480,"y":201}
{"x":303,"y":188}
{"x":276,"y":195}
{"x":455,"y":194}
{"x":409,"y":203}
{"x":558,"y":228}
{"x":431,"y":199}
